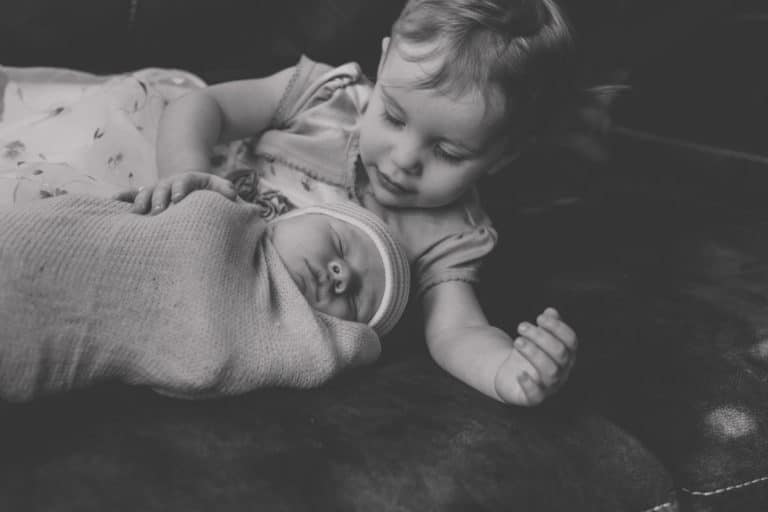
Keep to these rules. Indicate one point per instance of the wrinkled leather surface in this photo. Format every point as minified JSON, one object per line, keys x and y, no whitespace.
{"x":402,"y":436}
{"x":664,"y":271}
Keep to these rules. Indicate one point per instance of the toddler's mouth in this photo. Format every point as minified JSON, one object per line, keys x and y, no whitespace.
{"x":392,"y":186}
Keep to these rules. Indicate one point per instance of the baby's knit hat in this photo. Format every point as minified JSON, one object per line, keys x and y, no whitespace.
{"x":397,"y":275}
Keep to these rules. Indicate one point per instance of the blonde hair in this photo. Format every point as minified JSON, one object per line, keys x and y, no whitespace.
{"x":521,"y":49}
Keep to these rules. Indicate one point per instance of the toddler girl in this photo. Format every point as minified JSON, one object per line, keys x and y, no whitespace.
{"x":462,"y":86}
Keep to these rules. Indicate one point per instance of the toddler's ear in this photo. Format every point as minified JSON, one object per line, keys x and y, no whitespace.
{"x":384,"y":48}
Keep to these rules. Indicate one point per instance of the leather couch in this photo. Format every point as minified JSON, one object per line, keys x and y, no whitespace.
{"x":655,"y":254}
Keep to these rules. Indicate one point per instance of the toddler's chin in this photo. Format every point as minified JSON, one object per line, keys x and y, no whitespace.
{"x":390,"y":200}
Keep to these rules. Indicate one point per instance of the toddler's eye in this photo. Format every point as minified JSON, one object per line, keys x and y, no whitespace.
{"x":448,"y":157}
{"x":390,"y":119}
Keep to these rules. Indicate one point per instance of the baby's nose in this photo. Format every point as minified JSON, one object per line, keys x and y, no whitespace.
{"x":340,"y":275}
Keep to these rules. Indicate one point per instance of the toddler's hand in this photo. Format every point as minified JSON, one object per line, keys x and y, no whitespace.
{"x":540,"y":362}
{"x":156,"y":198}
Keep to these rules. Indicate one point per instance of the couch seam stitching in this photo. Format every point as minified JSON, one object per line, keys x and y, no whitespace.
{"x":658,"y":508}
{"x":726,"y":489}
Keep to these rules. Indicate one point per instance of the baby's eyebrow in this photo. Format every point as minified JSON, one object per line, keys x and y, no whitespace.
{"x":365,"y":292}
{"x":337,"y":236}
{"x":350,"y":242}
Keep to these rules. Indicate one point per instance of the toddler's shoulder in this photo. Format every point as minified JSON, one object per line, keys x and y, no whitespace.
{"x":426,"y":226}
{"x":443,"y":244}
{"x":313,"y":84}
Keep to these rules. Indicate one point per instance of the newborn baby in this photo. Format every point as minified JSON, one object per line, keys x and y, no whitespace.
{"x":205,"y":299}
{"x":345,"y":262}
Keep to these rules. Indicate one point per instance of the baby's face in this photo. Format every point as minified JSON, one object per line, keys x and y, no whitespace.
{"x":335,"y":265}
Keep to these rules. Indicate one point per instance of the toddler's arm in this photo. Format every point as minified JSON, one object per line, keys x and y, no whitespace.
{"x":523,"y":371}
{"x":192,"y":124}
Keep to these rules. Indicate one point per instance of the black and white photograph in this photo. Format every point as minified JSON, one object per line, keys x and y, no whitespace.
{"x":369,"y":255}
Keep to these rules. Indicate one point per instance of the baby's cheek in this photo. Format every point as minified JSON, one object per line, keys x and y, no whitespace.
{"x":335,"y":308}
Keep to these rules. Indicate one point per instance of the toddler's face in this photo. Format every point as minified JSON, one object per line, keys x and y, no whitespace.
{"x":335,"y":265}
{"x":422,"y":148}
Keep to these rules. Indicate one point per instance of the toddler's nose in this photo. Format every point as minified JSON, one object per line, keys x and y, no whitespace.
{"x":406,"y":157}
{"x":340,"y":275}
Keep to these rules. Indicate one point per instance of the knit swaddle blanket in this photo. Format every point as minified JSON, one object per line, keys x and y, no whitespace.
{"x":193,"y":302}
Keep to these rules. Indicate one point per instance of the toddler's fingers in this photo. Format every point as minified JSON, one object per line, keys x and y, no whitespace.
{"x":185,"y":184}
{"x":142,"y":200}
{"x":532,"y":390}
{"x":550,"y":344}
{"x":506,"y":382}
{"x":548,"y":371}
{"x":180,"y":188}
{"x":558,"y":328}
{"x":161,"y":197}
{"x":222,"y":186}
{"x":126,"y":195}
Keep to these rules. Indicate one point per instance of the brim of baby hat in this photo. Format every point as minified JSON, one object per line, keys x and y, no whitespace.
{"x":397,"y":277}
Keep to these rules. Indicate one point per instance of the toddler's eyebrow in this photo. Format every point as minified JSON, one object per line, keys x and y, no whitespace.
{"x":390,"y":101}
{"x":470,"y":152}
